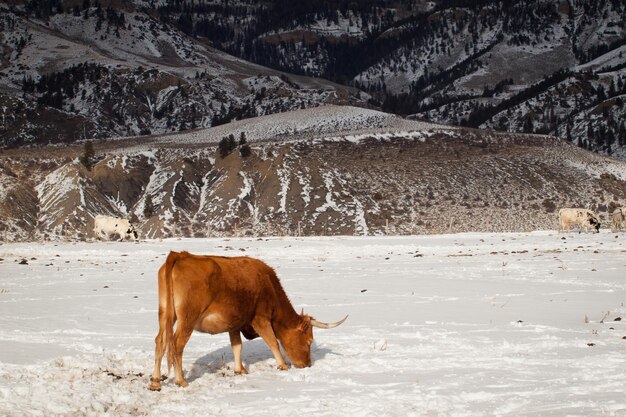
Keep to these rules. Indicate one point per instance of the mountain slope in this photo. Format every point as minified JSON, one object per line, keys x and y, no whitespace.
{"x":392,"y":180}
{"x":449,"y":61}
{"x":544,"y":66}
{"x":111,"y":72}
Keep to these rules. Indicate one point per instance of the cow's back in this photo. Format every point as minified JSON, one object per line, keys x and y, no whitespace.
{"x":106,"y":222}
{"x":123,"y":224}
{"x":242,"y":272}
{"x":573,"y":215}
{"x":568,"y":213}
{"x":236,"y":289}
{"x":237,"y":274}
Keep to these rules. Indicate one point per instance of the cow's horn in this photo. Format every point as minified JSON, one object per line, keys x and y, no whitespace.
{"x":321,"y":325}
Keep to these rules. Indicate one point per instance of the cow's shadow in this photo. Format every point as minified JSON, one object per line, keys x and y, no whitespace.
{"x":254,"y":351}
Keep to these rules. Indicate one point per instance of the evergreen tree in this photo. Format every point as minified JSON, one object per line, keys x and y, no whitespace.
{"x":88,"y":155}
{"x":232,"y":144}
{"x":245,"y":151}
{"x":612,"y":89}
{"x":148,"y":207}
{"x":528,"y":125}
{"x":224,"y":148}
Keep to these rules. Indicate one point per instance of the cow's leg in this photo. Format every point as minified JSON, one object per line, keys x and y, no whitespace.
{"x":235,"y":343}
{"x":264,"y":329}
{"x":181,"y":337}
{"x":159,"y":350}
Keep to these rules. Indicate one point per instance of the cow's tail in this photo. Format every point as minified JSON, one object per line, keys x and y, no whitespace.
{"x":170,"y":313}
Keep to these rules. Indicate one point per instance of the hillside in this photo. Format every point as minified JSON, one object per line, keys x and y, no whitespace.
{"x":319,"y":122}
{"x":541,"y":66}
{"x":68,"y":74}
{"x":402,"y":177}
{"x":99,"y":69}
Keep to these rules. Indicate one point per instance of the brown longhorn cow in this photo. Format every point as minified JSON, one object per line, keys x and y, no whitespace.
{"x":215,"y":294}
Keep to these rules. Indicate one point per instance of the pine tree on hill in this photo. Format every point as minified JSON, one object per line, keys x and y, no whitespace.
{"x":148,"y":207}
{"x":245,"y":151}
{"x":88,"y":155}
{"x":232,"y":144}
{"x":223,"y":147}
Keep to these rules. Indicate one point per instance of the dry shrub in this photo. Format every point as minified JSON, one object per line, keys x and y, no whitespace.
{"x":549,"y":205}
{"x":608,"y":176}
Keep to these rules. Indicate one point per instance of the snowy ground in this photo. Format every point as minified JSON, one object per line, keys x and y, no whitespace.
{"x":316,"y":122}
{"x":455,"y":325}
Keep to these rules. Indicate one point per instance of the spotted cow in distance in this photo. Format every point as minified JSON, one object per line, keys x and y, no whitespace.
{"x":583,"y":219}
{"x":105,"y":226}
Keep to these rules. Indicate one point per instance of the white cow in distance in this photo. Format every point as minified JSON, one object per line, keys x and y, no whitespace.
{"x":618,"y":219}
{"x":581,"y":218}
{"x":104,"y":226}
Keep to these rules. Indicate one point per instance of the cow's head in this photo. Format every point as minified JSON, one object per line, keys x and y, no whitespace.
{"x":593,"y":221}
{"x":132,"y":232}
{"x":297,"y":341}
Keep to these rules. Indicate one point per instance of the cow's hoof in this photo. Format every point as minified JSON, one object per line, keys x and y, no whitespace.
{"x":243,"y":371}
{"x":183,"y":383}
{"x":155,"y":386}
{"x":282,"y":367}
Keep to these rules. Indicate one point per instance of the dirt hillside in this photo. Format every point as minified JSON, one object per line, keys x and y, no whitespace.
{"x":419,"y":182}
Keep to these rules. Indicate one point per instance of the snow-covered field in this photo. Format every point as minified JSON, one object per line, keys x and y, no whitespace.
{"x":469,"y":324}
